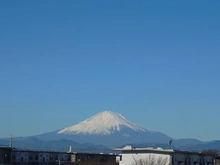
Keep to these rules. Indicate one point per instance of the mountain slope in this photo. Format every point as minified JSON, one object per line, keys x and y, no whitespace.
{"x":184,"y":142}
{"x":104,"y":123}
{"x":107,"y":128}
{"x":56,"y":145}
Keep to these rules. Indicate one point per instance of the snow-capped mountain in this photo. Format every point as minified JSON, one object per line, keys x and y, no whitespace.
{"x":104,"y":123}
{"x":107,"y":128}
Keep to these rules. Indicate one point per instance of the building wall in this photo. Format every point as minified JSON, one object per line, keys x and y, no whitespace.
{"x":22,"y":157}
{"x":63,"y":157}
{"x":105,"y":159}
{"x":134,"y":158}
{"x":5,"y":155}
{"x":33,"y":157}
{"x":208,"y":160}
{"x":179,"y":159}
{"x":44,"y":157}
{"x":187,"y":159}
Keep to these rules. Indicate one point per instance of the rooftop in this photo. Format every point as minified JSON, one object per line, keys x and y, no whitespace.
{"x":148,"y":149}
{"x":5,"y":147}
{"x":129,"y":149}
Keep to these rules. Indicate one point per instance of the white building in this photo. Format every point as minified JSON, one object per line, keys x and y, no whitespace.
{"x":159,"y":156}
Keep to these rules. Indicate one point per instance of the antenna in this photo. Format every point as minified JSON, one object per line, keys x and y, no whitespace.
{"x":170,"y":144}
{"x":11,"y":142}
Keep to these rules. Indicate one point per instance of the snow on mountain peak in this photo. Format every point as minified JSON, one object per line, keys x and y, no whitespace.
{"x":105,"y":123}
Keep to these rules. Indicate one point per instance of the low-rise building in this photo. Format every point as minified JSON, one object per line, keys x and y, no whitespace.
{"x":159,"y":156}
{"x":5,"y":155}
{"x":30,"y":157}
{"x":95,"y":158}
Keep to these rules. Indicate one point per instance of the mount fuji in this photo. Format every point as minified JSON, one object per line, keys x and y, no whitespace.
{"x":106,"y":128}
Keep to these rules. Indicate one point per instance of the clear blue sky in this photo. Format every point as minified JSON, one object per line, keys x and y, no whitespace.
{"x":155,"y":62}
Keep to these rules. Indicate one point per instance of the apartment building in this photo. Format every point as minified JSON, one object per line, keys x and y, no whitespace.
{"x":30,"y":157}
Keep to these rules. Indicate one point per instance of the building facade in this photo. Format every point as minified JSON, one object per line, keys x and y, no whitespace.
{"x":159,"y":156}
{"x":29,"y":157}
{"x":5,"y":155}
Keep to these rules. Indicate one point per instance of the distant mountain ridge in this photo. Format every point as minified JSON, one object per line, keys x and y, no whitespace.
{"x":107,"y":129}
{"x":56,"y":145}
{"x":33,"y":143}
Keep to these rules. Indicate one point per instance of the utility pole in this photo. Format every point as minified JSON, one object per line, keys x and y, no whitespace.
{"x":11,"y":146}
{"x":11,"y":142}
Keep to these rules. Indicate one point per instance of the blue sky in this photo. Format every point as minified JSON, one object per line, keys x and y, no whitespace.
{"x":155,"y":62}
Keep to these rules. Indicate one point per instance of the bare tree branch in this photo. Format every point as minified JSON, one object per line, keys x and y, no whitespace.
{"x":151,"y":160}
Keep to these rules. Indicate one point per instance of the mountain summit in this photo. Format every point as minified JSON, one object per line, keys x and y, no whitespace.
{"x":107,"y":128}
{"x":104,"y":123}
